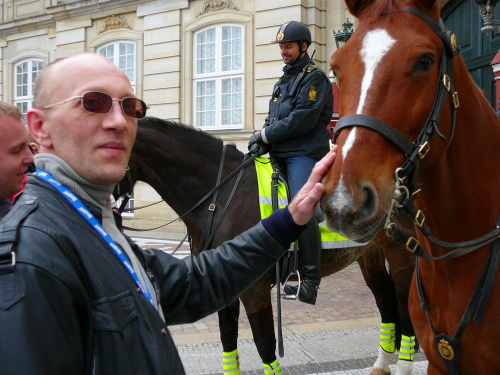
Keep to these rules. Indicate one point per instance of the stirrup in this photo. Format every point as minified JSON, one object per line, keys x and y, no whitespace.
{"x":291,"y":296}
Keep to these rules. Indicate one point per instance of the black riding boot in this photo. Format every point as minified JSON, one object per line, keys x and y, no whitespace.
{"x":310,"y":261}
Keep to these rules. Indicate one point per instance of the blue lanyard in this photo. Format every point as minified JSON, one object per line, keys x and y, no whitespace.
{"x":87,"y":215}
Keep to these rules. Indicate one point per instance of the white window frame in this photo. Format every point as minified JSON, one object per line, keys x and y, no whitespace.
{"x":25,"y":102}
{"x":116,"y":57}
{"x":218,"y":76}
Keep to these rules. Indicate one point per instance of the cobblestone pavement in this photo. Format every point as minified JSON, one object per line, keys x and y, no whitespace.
{"x":339,"y":335}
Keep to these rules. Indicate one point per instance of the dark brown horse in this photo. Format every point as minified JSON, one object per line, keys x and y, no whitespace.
{"x":406,"y":140}
{"x":182,"y":165}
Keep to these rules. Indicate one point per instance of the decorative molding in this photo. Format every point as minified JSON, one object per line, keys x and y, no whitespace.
{"x":215,"y":5}
{"x":115,"y":22}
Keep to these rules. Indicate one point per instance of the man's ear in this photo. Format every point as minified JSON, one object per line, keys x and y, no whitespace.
{"x":38,"y":127}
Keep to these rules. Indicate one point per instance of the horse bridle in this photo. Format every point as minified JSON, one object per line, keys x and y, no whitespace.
{"x":404,"y":195}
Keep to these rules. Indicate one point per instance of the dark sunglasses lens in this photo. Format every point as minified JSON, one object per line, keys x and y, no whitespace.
{"x":134,"y":107}
{"x":97,"y":102}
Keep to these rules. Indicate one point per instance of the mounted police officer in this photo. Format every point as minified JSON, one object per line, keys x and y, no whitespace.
{"x":295,"y":131}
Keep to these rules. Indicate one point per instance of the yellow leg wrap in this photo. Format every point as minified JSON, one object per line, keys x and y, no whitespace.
{"x":407,"y":348}
{"x":388,"y":337}
{"x":273,"y":368}
{"x":231,"y":362}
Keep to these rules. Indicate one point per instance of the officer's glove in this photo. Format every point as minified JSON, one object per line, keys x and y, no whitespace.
{"x":257,"y":146}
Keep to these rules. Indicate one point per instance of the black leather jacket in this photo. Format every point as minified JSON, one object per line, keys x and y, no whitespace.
{"x":298,"y":117}
{"x":68,"y":306}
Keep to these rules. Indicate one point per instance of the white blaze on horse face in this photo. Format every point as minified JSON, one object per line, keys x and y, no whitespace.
{"x":376,"y":44}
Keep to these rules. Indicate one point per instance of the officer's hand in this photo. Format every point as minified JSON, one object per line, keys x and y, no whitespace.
{"x":256,"y":145}
{"x":304,"y":204}
{"x":259,"y":149}
{"x":256,"y":138}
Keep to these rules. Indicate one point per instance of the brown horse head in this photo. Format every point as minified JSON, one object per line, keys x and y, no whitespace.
{"x":389,"y":70}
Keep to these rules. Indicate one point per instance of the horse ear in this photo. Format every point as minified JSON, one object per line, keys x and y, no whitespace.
{"x":356,"y":6}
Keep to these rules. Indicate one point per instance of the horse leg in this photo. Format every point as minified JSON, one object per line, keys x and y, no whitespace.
{"x":402,"y":265}
{"x":228,"y":326}
{"x":372,"y":266}
{"x":259,"y":310}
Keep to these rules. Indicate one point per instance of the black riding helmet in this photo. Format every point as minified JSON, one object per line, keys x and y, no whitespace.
{"x":294,"y":31}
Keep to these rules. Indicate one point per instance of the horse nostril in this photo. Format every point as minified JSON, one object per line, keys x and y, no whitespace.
{"x":368,"y":207}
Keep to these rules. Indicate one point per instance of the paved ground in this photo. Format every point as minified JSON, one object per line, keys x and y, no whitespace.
{"x":339,"y":335}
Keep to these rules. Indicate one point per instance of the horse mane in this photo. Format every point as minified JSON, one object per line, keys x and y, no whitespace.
{"x":178,"y":130}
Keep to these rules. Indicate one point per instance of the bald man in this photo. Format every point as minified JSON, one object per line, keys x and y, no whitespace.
{"x":82,"y":297}
{"x":15,"y":155}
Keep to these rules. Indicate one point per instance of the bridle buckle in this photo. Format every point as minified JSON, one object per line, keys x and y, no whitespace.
{"x":423,"y":150}
{"x":419,"y":219}
{"x":412,"y":244}
{"x":456,"y":102}
{"x":447,"y":82}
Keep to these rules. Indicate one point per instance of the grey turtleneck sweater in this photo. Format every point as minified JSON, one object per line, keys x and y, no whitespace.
{"x":100,"y":196}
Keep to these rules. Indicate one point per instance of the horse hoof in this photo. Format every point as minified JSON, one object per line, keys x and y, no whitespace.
{"x":379,"y":371}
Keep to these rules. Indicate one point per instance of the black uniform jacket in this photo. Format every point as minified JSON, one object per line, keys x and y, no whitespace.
{"x":298,"y":117}
{"x":68,"y":306}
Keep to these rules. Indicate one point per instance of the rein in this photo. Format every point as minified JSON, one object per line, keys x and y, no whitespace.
{"x":205,"y":197}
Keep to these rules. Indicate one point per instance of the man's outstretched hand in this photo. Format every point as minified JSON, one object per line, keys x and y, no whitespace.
{"x":303,"y":205}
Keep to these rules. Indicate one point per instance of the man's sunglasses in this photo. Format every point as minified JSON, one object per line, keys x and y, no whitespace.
{"x":99,"y":102}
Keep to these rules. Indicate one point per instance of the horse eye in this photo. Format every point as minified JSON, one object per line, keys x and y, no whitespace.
{"x":424,"y":64}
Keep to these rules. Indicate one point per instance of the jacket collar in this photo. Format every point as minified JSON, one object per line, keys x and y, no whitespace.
{"x":94,"y":209}
{"x":297,"y":66}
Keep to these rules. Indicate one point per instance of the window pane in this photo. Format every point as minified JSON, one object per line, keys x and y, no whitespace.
{"x":210,"y":66}
{"x":23,"y":107}
{"x":237,"y":117}
{"x":211,"y":35}
{"x":237,"y":63}
{"x":226,"y":86}
{"x":210,"y":103}
{"x":236,"y":32}
{"x":226,"y":117}
{"x":237,"y":101}
{"x":211,"y":88}
{"x":226,"y":64}
{"x":226,"y":32}
{"x":210,"y":120}
{"x":237,"y":85}
{"x":226,"y":101}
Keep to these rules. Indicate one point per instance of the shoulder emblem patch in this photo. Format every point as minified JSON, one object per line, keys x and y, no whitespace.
{"x":312,"y":93}
{"x":311,"y":68}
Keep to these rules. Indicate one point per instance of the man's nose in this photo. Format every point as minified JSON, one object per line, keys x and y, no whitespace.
{"x":116,"y":118}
